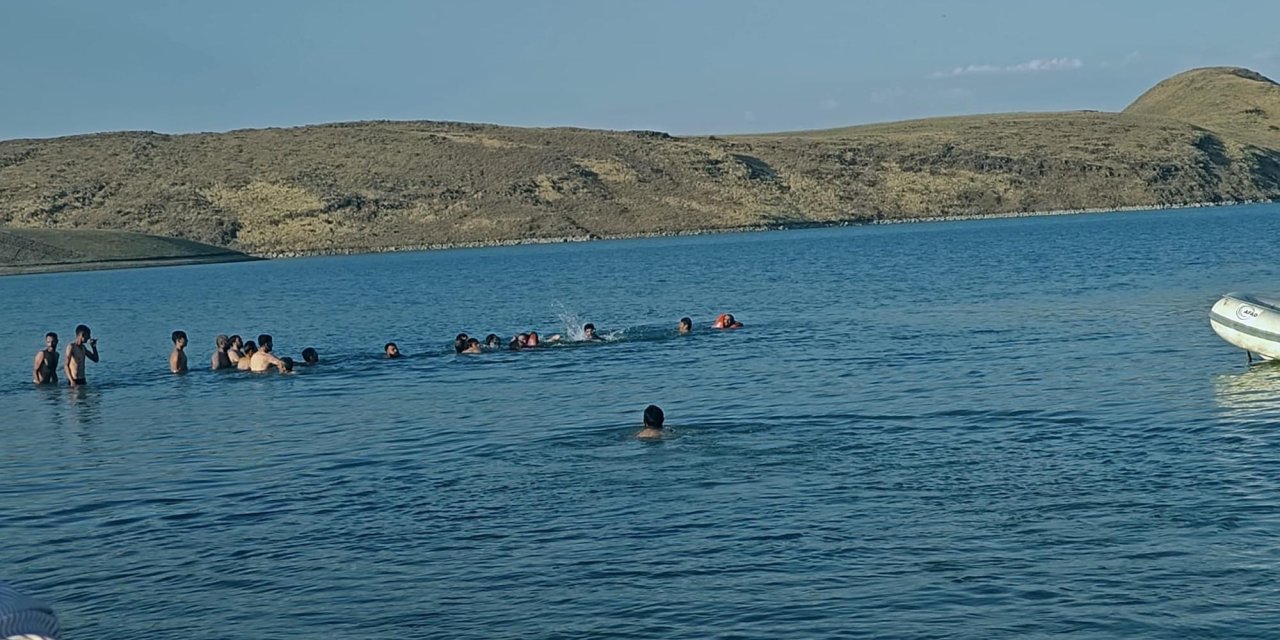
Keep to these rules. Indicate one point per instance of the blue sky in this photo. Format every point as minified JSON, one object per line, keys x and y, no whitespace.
{"x":683,"y":66}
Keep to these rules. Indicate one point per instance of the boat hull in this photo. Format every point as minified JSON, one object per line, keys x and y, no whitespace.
{"x":1249,"y":322}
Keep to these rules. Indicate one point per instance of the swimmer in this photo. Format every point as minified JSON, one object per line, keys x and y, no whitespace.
{"x":531,"y":339}
{"x":73,"y":365}
{"x":517,"y":342}
{"x":234,"y":349}
{"x":460,"y":342}
{"x":493,"y":341}
{"x":178,"y":359}
{"x":589,"y":333}
{"x":220,"y":358}
{"x":310,"y":356}
{"x":287,"y":363}
{"x":246,"y":357}
{"x":472,"y":346}
{"x":685,"y":326}
{"x":726,"y":321}
{"x":264,"y":359}
{"x":45,"y":368}
{"x":391,"y":350}
{"x":653,"y":419}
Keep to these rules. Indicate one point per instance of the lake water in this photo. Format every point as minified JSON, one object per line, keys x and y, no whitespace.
{"x":1001,"y":428}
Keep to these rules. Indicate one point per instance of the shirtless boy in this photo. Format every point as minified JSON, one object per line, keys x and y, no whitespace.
{"x":77,"y":352}
{"x":45,"y":369}
{"x":221,"y":358}
{"x":178,"y":359}
{"x":263,"y":359}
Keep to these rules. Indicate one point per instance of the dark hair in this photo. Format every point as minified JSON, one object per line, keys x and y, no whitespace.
{"x":460,"y":342}
{"x":515,"y":344}
{"x":310,"y":356}
{"x":588,"y":326}
{"x":178,"y":335}
{"x":653,"y":416}
{"x":222,"y":341}
{"x":234,"y":339}
{"x":51,"y":335}
{"x":472,"y":342}
{"x":264,"y":342}
{"x":249,"y":347}
{"x":492,"y":340}
{"x":389,"y":345}
{"x":686,"y":321}
{"x":82,"y":330}
{"x":288,"y":363}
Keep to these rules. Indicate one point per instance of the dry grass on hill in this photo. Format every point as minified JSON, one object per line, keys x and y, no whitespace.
{"x":1207,"y":135}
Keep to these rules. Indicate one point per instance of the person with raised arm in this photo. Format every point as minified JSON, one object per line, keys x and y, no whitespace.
{"x":84,"y":346}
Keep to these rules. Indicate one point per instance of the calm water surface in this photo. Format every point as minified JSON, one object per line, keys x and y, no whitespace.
{"x":986,"y":429}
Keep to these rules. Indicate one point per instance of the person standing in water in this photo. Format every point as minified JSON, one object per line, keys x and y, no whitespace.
{"x":653,"y":420}
{"x":84,"y":346}
{"x":246,"y":358}
{"x":234,"y":346}
{"x":178,"y":359}
{"x":264,"y":359}
{"x":310,"y":356}
{"x":221,"y":359}
{"x":45,"y":368}
{"x":685,"y":326}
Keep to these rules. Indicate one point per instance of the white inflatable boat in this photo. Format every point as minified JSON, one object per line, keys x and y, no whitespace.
{"x":1249,"y":322}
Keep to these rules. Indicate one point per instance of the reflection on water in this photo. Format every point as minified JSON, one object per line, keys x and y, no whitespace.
{"x":1251,"y":393}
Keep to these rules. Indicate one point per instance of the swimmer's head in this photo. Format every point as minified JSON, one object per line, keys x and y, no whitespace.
{"x":516,"y":343}
{"x":288,"y":363}
{"x":492,"y":340}
{"x":250,"y":348}
{"x":532,"y":340}
{"x":685,"y":326}
{"x":310,"y":355}
{"x":460,"y":342}
{"x":653,"y":417}
{"x":82,"y":331}
{"x":264,"y":342}
{"x":391,"y":350}
{"x":235,"y":341}
{"x":51,"y":339}
{"x":221,"y":342}
{"x":588,"y":331}
{"x":179,"y":338}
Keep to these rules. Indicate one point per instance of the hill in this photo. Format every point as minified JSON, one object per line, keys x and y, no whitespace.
{"x":40,"y":250}
{"x":1202,"y":136}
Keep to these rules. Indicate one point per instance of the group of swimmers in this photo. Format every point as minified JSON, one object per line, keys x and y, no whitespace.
{"x":234,"y":353}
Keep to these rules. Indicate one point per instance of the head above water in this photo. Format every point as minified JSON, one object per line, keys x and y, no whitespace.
{"x":222,"y":342}
{"x":460,"y":342}
{"x":179,"y":336}
{"x":391,"y":350}
{"x":51,"y":339}
{"x":264,"y":342}
{"x":516,"y":343}
{"x":653,"y":417}
{"x":250,"y":348}
{"x":235,"y":341}
{"x":288,"y":363}
{"x":532,"y":339}
{"x":589,"y":330}
{"x":686,"y":325}
{"x":492,"y":340}
{"x":310,"y":355}
{"x":82,"y":331}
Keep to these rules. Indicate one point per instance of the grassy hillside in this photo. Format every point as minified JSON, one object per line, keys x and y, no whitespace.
{"x":1202,"y":136}
{"x":30,"y":250}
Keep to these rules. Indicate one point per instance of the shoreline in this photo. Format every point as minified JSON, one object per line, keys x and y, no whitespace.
{"x":233,"y":256}
{"x":855,"y":221}
{"x":124,"y":263}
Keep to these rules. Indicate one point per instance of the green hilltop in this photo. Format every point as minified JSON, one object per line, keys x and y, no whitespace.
{"x":1206,"y":135}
